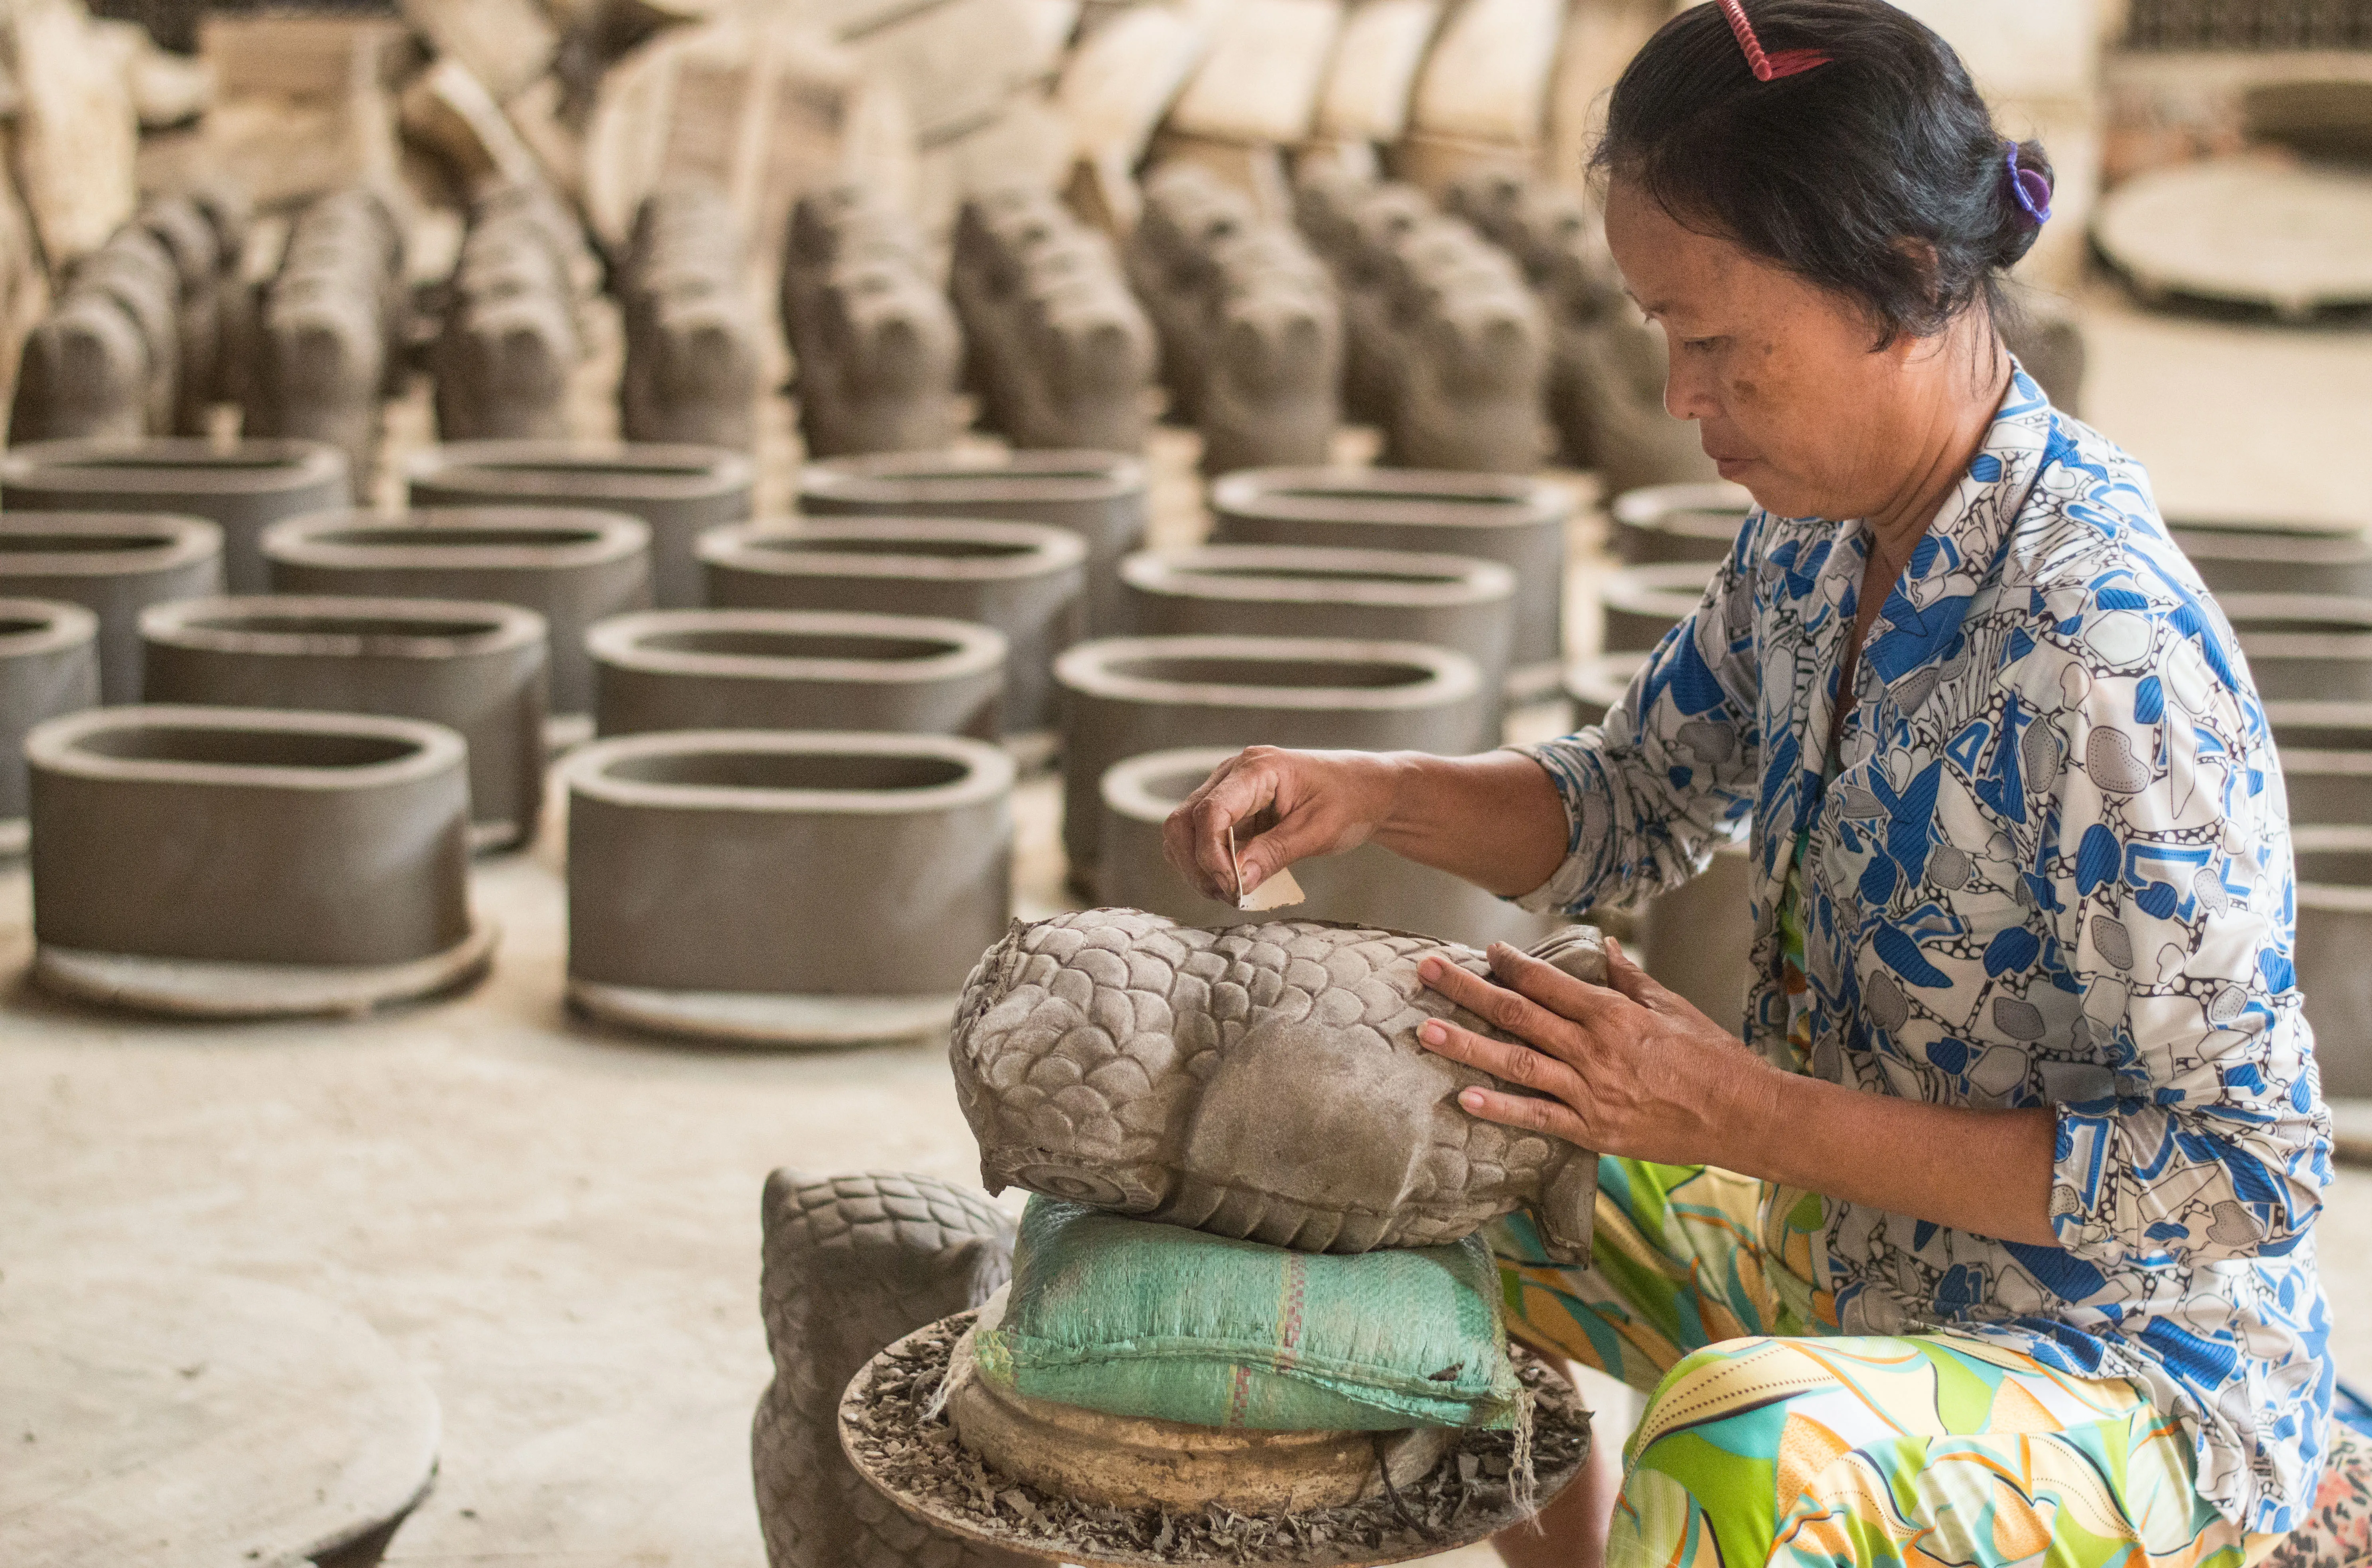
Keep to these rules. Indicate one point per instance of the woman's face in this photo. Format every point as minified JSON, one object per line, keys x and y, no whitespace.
{"x":1789,"y":400}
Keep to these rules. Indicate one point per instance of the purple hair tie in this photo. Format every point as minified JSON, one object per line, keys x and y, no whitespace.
{"x":2031,"y":187}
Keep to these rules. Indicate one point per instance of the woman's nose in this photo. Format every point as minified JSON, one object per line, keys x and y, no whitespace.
{"x":1689,"y":389}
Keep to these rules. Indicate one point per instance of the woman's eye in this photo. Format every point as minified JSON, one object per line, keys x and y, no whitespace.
{"x":1700,"y":345}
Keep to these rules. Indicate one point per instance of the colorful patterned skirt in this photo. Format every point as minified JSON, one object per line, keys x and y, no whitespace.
{"x":1768,"y":1438}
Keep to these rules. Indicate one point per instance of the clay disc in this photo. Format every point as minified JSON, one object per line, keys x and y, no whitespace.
{"x":153,"y":1423}
{"x":918,"y":1361}
{"x":758,"y":1021}
{"x":2244,"y":230}
{"x":195,"y":988}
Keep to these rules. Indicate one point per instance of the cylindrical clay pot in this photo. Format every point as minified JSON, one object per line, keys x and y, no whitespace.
{"x":1127,"y":696}
{"x":2312,"y":647}
{"x":2236,"y":556}
{"x":784,"y":889}
{"x":1267,"y":590}
{"x":1515,"y":521}
{"x":1368,"y":885}
{"x":231,"y":862}
{"x":571,"y":567}
{"x":680,"y":490}
{"x":477,"y":669}
{"x":1669,"y":523}
{"x":1597,"y":684}
{"x":1638,"y":607}
{"x":2326,"y":752}
{"x":1028,"y":580}
{"x":243,"y":488}
{"x":114,"y":564}
{"x":48,"y":666}
{"x":2335,"y":932}
{"x":796,"y":669}
{"x":1700,"y":938}
{"x":1101,"y":496}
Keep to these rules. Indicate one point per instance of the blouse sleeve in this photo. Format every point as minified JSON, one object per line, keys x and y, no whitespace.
{"x":1672,"y":774}
{"x":2170,"y":882}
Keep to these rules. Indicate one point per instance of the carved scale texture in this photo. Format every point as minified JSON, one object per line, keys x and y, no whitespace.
{"x":1087,"y":1043}
{"x":853,"y":1263}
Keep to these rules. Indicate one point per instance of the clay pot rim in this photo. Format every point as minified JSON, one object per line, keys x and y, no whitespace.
{"x":1451,"y":677}
{"x":1043,"y":548}
{"x":58,"y":626}
{"x":1432,"y":497}
{"x":1290,"y":574}
{"x":178,"y":540}
{"x":1127,"y":793}
{"x":2268,"y":612}
{"x":1586,"y":680}
{"x":989,"y":771}
{"x":506,"y":628}
{"x":57,"y":747}
{"x":309,"y":539}
{"x":973,"y":649}
{"x":642,"y":470}
{"x":1651,"y":590}
{"x":169,"y":465}
{"x":1665,"y":508}
{"x":1053,"y":474}
{"x":2332,"y":898}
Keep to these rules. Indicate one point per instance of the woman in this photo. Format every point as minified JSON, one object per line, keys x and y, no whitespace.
{"x":1993,"y":1237}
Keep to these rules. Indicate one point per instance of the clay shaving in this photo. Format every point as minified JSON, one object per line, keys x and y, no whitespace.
{"x":904,"y":1439}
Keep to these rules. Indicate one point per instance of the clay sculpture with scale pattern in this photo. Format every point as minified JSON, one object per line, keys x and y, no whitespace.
{"x":1261,"y":1082}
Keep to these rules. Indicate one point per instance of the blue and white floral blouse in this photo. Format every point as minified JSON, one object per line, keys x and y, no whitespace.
{"x":2052,"y":869}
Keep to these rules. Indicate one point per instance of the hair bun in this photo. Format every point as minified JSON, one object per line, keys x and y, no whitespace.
{"x":2021,"y":225}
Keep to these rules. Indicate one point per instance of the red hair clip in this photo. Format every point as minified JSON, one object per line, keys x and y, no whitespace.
{"x":1767,"y":67}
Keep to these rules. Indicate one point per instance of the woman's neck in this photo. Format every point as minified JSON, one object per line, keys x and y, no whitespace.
{"x":1955,"y":393}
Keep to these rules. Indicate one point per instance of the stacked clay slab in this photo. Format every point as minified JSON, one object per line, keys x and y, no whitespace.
{"x":1026,"y":580}
{"x":48,"y":666}
{"x":1125,"y":697}
{"x":1368,"y":885}
{"x":2335,"y":932}
{"x":114,"y":564}
{"x":478,"y":668}
{"x":1101,"y":496}
{"x":680,"y":490}
{"x":573,"y":567}
{"x":772,"y":887}
{"x":786,"y":670}
{"x":1259,"y":590}
{"x":243,"y":488}
{"x":1517,"y":522}
{"x":2236,"y":556}
{"x":2302,"y":647}
{"x":240,"y":862}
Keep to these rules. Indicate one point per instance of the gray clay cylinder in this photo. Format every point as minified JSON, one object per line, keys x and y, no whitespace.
{"x":796,"y":669}
{"x":1699,"y":938}
{"x":836,"y":867}
{"x":570,"y":565}
{"x":48,"y":666}
{"x":1028,"y":580}
{"x":1265,"y":590}
{"x":1515,"y":521}
{"x":477,"y":669}
{"x":1595,"y":685}
{"x":1669,"y":523}
{"x":1638,"y":607}
{"x":233,"y":835}
{"x":2311,"y":647}
{"x":680,"y":490}
{"x":1101,"y":496}
{"x":114,"y":564}
{"x":1125,"y":697}
{"x":2335,"y":932}
{"x":2245,"y":557}
{"x":2326,"y":752}
{"x":244,"y":487}
{"x":1368,"y":885}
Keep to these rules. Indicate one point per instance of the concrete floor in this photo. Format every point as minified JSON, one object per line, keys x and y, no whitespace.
{"x":558,"y":1228}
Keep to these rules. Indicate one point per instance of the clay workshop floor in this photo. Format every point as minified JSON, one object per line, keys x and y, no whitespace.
{"x":559,"y":1227}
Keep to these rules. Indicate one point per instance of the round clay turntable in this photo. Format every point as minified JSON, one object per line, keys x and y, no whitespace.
{"x":1058,"y":1484}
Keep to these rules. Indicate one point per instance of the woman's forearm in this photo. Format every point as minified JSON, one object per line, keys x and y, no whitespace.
{"x":1496,"y":820}
{"x":1987,"y":1172}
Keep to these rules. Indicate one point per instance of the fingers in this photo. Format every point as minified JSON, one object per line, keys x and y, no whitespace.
{"x":1518,"y":1064}
{"x":1504,"y":1010}
{"x":1551,"y":1118}
{"x":1550,"y":987}
{"x":1195,"y":838}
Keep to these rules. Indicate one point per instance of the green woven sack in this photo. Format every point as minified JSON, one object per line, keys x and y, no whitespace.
{"x":1139,"y":1320}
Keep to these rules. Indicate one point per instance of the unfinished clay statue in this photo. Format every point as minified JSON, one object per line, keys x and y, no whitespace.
{"x":852,"y":1263}
{"x":1261,"y":1082}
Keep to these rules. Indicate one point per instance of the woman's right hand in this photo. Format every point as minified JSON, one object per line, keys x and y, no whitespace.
{"x":1279,"y":807}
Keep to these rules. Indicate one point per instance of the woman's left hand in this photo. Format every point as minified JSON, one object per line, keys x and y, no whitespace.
{"x":1628,"y":1068}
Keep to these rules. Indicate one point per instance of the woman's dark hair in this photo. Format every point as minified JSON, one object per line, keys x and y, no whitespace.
{"x":1829,"y":172}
